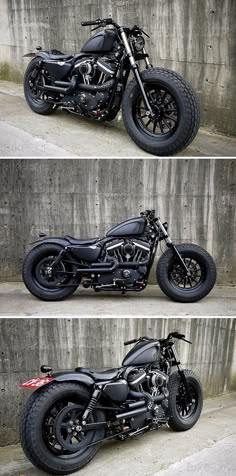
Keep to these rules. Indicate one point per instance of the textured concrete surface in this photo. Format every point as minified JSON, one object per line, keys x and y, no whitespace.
{"x":14,"y":142}
{"x":195,"y":38}
{"x":66,"y":343}
{"x":66,"y":134}
{"x":85,"y":198}
{"x":207,"y":449}
{"x":16,"y":300}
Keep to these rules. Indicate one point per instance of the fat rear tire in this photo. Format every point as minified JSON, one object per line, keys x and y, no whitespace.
{"x":31,"y":437}
{"x":176,"y":422}
{"x":43,"y":293}
{"x":189,"y":112}
{"x":37,"y":105}
{"x":165,"y":264}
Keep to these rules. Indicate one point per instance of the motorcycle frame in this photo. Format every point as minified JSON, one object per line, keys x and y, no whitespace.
{"x":171,"y":359}
{"x":159,"y":233}
{"x":125,"y":66}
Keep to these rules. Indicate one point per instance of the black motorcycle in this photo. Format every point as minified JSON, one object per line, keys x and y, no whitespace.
{"x":121,"y":261}
{"x":72,"y":412}
{"x":160,"y":109}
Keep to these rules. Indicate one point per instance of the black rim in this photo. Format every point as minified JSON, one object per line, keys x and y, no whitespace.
{"x":62,"y":429}
{"x":178,"y":276}
{"x":47,"y":276}
{"x":165,"y":108}
{"x":36,"y":95}
{"x":186,"y":408}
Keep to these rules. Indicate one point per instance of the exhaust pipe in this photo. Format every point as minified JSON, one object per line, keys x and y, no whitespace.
{"x":157,"y":399}
{"x":65,"y":87}
{"x":103,"y":268}
{"x":138,"y":404}
{"x":97,"y":88}
{"x":132,"y":413}
{"x":61,"y":86}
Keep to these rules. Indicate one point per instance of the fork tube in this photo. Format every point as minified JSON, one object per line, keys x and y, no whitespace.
{"x":135,"y":70}
{"x":146,"y":59}
{"x":170,"y":243}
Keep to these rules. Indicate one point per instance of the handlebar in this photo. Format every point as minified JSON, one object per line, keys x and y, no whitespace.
{"x":98,"y":22}
{"x":90,"y":22}
{"x":175,"y":335}
{"x":132,"y":341}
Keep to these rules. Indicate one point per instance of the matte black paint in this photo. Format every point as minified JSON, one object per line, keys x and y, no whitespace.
{"x":143,"y":353}
{"x":101,"y":42}
{"x":117,"y":391}
{"x":132,"y":227}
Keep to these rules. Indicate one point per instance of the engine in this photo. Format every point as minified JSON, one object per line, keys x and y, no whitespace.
{"x":95,"y":81}
{"x":152,"y":385}
{"x":133,"y":259}
{"x":152,"y":381}
{"x":128,"y":250}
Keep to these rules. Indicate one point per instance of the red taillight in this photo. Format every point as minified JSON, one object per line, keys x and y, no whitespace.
{"x":36,"y":382}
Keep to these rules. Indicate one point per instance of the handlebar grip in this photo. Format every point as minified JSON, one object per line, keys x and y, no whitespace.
{"x":90,"y":22}
{"x":132,"y":341}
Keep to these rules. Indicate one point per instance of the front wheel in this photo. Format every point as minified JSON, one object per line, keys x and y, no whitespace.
{"x":176,"y":111}
{"x":173,"y":279}
{"x":184,"y":412}
{"x":51,"y":432}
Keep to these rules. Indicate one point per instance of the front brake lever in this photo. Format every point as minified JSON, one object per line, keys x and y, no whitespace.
{"x":188,"y":341}
{"x":96,"y":27}
{"x":145,"y":33}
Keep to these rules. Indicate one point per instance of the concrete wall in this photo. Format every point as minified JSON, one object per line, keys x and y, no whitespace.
{"x":26,"y":344}
{"x":86,"y":197}
{"x":194,"y":37}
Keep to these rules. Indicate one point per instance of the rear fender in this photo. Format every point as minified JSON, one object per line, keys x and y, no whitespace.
{"x":54,"y":240}
{"x":41,"y":54}
{"x":73,"y":377}
{"x":37,"y":382}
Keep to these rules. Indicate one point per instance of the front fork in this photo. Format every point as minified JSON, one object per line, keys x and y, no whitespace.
{"x":170,"y":244}
{"x":181,"y":373}
{"x":136,"y":72}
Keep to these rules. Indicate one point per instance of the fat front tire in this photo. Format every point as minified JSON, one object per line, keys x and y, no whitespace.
{"x":171,"y":277}
{"x":38,"y":445}
{"x":182,"y":415}
{"x":34,"y":281}
{"x":176,"y":107}
{"x":32,"y":96}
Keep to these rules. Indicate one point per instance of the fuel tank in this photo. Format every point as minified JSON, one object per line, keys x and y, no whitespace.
{"x":143,"y":353}
{"x":102,"y":42}
{"x":132,"y":227}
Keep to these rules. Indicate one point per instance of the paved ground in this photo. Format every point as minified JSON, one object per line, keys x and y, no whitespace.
{"x":208,"y":449}
{"x":16,"y":300}
{"x":26,"y":134}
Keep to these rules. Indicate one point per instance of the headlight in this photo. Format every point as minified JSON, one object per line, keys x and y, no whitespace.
{"x":138,"y":43}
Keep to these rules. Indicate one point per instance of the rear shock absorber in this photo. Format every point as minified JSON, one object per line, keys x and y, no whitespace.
{"x":36,"y":70}
{"x":92,"y":402}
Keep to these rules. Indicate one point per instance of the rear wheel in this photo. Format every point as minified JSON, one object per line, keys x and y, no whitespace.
{"x":45,"y":281}
{"x":33,"y":95}
{"x":172,"y":277}
{"x":51,"y":433}
{"x":176,"y":110}
{"x":183,"y":411}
